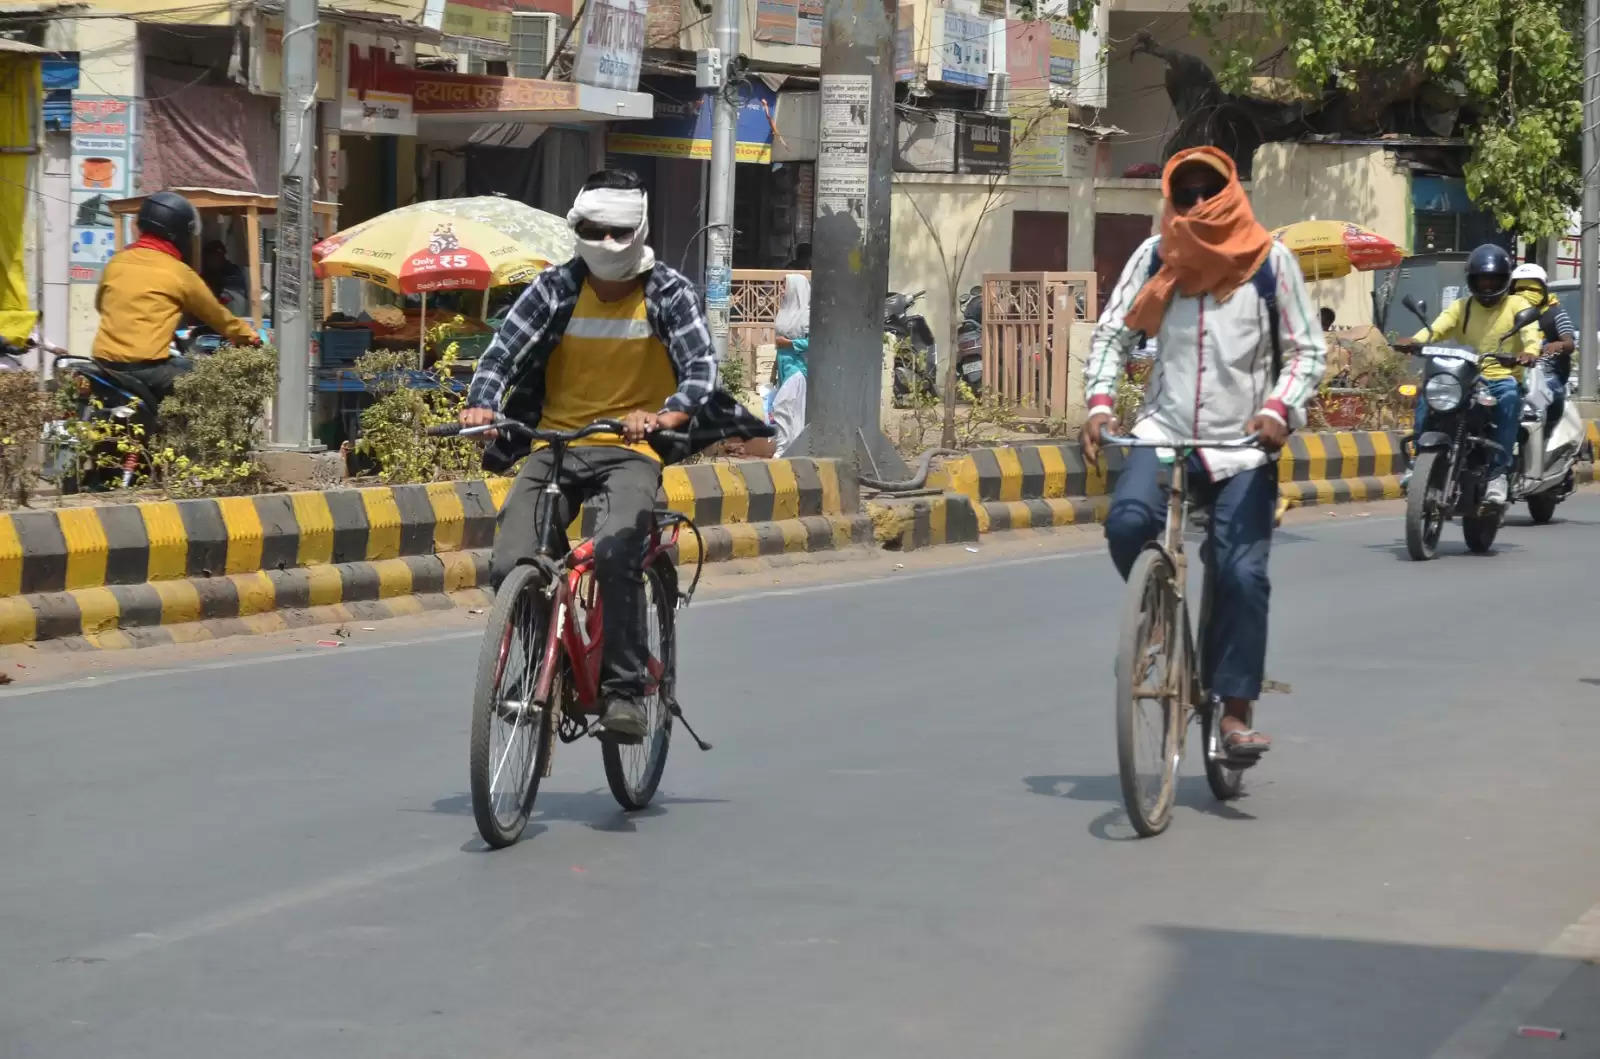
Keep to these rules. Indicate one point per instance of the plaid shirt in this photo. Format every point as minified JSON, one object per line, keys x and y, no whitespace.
{"x":510,"y":375}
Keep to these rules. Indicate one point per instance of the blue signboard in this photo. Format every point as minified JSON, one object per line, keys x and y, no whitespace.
{"x":681,"y":127}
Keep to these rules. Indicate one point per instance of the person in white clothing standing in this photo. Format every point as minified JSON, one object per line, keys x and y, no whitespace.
{"x":1241,"y":351}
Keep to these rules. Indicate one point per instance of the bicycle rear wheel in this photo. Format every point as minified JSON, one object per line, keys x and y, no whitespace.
{"x":1152,"y":675}
{"x":511,"y":734}
{"x":634,"y":770}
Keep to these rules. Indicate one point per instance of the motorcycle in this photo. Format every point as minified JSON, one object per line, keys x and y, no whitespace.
{"x":1455,"y":451}
{"x":969,"y":341}
{"x":98,"y":394}
{"x":916,"y":360}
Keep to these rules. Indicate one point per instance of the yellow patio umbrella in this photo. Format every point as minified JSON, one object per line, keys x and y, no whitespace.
{"x":1331,"y":249}
{"x":447,"y":245}
{"x":423,"y":251}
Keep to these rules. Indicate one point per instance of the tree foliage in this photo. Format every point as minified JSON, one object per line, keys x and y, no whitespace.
{"x":1515,"y":64}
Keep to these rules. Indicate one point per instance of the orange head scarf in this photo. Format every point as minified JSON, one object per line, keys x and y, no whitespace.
{"x":1213,"y":249}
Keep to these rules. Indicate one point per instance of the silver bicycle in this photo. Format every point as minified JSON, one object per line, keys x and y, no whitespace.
{"x":1163,"y":678}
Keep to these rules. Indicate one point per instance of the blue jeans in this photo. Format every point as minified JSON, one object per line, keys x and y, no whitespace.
{"x":1241,"y":537}
{"x":1507,"y":413}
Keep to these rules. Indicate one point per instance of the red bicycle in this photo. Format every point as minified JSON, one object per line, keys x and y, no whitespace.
{"x":539,"y":667}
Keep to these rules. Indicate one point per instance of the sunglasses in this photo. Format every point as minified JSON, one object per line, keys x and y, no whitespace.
{"x":1192,"y":195}
{"x":596,"y":232}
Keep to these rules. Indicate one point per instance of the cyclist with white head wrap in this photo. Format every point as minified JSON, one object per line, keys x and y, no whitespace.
{"x":611,"y":334}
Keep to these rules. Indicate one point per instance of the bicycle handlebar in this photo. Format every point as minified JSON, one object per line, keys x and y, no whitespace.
{"x":558,"y":437}
{"x":1123,"y":442}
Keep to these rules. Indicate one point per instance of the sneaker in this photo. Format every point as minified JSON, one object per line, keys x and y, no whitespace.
{"x":624,"y":721}
{"x":1496,"y":493}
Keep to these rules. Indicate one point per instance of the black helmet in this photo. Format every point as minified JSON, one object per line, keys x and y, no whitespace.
{"x":168,"y":215}
{"x":1489,"y":273}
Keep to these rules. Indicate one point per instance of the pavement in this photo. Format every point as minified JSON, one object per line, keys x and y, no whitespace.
{"x":907,"y":842}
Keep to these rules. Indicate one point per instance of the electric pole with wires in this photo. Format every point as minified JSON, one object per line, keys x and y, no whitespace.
{"x":293,"y":303}
{"x":719,"y":69}
{"x":850,"y":239}
{"x":1589,"y":253}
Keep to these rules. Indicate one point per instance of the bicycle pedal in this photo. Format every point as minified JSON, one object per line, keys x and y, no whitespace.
{"x":606,"y":736}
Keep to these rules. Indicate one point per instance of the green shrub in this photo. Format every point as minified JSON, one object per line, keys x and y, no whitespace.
{"x":408,"y":401}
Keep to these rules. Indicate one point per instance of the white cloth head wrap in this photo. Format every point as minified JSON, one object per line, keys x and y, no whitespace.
{"x":614,"y":208}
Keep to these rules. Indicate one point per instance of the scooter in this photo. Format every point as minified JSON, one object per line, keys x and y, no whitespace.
{"x":916,"y":360}
{"x":969,"y":341}
{"x":1546,"y":453}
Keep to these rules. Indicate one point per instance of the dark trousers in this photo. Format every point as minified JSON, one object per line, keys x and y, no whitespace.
{"x":623,"y":484}
{"x":156,"y":375}
{"x":1241,"y":538}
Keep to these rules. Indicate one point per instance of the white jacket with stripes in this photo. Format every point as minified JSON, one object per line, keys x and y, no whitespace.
{"x":1213,"y":364}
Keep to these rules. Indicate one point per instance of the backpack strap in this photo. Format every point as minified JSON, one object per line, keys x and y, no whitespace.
{"x":1265,"y":282}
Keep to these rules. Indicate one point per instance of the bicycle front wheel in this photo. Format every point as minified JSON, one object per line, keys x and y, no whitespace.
{"x":511,"y":733}
{"x":1152,"y":675}
{"x":633,"y":770}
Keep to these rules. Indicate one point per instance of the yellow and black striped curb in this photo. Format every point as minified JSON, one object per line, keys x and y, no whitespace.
{"x":95,"y":569}
{"x":206,"y":608}
{"x":904,"y":523}
{"x":132,"y":544}
{"x":1048,"y":483}
{"x":1341,"y":467}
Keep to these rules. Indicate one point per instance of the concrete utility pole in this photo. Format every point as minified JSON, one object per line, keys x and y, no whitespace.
{"x":724,"y":146}
{"x":1589,"y":267}
{"x":850,"y":239}
{"x":292,"y":295}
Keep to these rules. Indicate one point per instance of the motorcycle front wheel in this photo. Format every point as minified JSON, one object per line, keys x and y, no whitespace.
{"x":1425,"y":513}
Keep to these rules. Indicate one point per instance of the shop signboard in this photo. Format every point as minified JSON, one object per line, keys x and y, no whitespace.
{"x":681,"y":126}
{"x":103,"y":153}
{"x":611,"y":48}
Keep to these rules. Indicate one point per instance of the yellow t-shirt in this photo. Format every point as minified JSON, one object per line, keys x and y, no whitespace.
{"x":607,"y":364}
{"x":1481,"y":327}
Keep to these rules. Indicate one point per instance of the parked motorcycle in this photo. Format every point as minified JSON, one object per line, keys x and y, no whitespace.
{"x":969,"y":341}
{"x":1455,"y":451}
{"x":916,"y":359}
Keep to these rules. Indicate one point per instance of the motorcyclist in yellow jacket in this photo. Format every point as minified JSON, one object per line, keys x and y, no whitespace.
{"x":1484,"y":320}
{"x":145,"y":292}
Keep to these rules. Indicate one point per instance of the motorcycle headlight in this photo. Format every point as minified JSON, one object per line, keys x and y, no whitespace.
{"x":1443,"y":393}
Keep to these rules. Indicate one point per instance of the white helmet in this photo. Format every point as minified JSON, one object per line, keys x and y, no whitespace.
{"x":1532,"y":272}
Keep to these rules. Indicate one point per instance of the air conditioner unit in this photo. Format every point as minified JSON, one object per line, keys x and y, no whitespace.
{"x":534,"y":36}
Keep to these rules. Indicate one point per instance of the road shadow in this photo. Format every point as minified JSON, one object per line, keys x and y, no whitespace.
{"x":595,"y":809}
{"x":1112,"y":825}
{"x":1447,"y":549}
{"x":1237,"y":994}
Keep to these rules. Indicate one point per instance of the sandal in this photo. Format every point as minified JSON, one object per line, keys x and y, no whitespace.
{"x":1242,"y":743}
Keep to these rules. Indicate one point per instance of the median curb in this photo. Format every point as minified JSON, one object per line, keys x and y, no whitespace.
{"x":905,"y":523}
{"x":96,"y":570}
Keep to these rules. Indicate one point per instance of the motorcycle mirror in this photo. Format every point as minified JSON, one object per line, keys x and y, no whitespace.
{"x":1524,"y":318}
{"x":1418,"y":309}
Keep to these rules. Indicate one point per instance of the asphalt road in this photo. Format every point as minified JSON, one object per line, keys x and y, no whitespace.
{"x":908,"y":841}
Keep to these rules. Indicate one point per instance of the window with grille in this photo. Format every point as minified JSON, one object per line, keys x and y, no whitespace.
{"x":533,"y":39}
